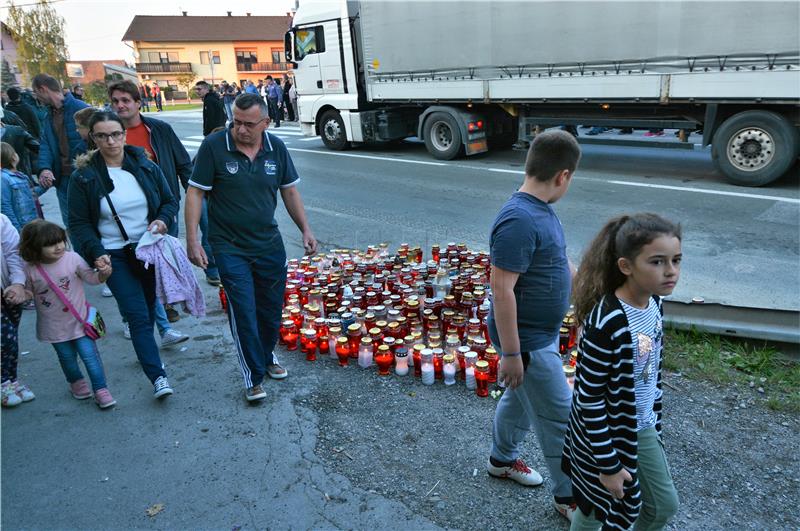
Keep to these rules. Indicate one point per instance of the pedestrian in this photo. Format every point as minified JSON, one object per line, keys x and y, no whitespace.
{"x":116,"y":194}
{"x":241,"y":170}
{"x":157,"y":97}
{"x":20,"y":196}
{"x":213,"y":109}
{"x":293,"y":99}
{"x":613,"y":449}
{"x":531,"y":278}
{"x":160,"y":142}
{"x":227,"y":99}
{"x":56,"y":276}
{"x":25,"y":145}
{"x":144,"y":99}
{"x":59,"y":139}
{"x":275,"y":95}
{"x":14,"y":294}
{"x":77,"y":92}
{"x":24,"y":110}
{"x":250,"y":88}
{"x":287,"y":99}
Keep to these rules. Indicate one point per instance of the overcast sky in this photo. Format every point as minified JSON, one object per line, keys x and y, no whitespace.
{"x":94,"y":28}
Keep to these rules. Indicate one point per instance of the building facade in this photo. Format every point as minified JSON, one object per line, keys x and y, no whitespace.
{"x":85,"y":72}
{"x":8,"y":54}
{"x":170,"y":49}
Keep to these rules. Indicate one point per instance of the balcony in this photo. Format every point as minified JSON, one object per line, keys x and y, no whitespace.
{"x":156,"y":68}
{"x":261,"y":67}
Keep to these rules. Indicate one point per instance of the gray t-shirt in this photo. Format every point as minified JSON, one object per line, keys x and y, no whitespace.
{"x":527,"y":238}
{"x":647,"y":334}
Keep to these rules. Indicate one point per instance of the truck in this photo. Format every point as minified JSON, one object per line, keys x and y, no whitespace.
{"x":468,"y":77}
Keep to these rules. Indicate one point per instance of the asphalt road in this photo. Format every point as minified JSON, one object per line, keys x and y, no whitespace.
{"x":740,"y":244}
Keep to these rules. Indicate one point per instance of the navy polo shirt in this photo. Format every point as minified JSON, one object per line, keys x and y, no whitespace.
{"x":243,"y":194}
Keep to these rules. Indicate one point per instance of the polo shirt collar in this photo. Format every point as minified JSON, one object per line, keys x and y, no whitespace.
{"x":231,"y":145}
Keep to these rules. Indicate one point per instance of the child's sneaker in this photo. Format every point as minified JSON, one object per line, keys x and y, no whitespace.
{"x":103,"y":398}
{"x":23,"y":392}
{"x":80,"y":389}
{"x":516,"y":470}
{"x":567,"y":510}
{"x":10,"y":397}
{"x":161,"y":387}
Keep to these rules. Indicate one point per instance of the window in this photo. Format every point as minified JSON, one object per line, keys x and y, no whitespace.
{"x":308,"y":41}
{"x":214,"y":57}
{"x":246,"y":56}
{"x":162,"y":57}
{"x":276,"y":56}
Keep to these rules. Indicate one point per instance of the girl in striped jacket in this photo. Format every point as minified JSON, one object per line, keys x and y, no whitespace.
{"x":613,"y":450}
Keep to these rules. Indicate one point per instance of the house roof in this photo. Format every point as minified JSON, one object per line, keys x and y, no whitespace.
{"x":204,"y":29}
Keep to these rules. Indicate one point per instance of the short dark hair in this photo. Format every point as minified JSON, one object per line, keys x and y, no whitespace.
{"x":550,"y":153}
{"x":247,"y":100}
{"x":13,"y":93}
{"x":203,"y":83}
{"x":45,"y":80}
{"x":7,"y":154}
{"x":104,"y":116}
{"x":126,"y":86}
{"x":37,"y":234}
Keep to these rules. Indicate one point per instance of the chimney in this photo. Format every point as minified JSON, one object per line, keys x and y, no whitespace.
{"x":229,"y":13}
{"x":248,"y":14}
{"x":185,"y":13}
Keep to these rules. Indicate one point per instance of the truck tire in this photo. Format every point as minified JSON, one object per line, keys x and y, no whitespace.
{"x":331,"y":129}
{"x":754,"y":148}
{"x":442,"y":136}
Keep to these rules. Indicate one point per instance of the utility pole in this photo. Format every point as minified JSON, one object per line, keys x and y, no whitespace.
{"x":211,"y":62}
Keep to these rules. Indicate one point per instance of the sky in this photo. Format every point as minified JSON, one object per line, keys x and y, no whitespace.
{"x":94,"y":29}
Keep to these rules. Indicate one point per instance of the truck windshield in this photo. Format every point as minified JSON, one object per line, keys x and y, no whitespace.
{"x":308,"y":41}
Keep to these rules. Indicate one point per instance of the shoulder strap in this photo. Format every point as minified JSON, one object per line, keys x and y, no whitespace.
{"x":113,"y":210}
{"x":59,"y":294}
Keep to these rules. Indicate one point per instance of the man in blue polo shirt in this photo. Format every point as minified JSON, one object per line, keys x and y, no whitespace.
{"x":240,"y":170}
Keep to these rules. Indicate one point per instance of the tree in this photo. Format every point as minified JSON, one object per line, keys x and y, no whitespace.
{"x":41,"y":46}
{"x":96,"y":92}
{"x":186,"y":79}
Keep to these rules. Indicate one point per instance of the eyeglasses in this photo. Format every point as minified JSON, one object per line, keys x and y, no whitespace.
{"x":248,"y":125}
{"x":103,"y":137}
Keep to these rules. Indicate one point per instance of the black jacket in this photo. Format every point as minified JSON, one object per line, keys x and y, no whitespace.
{"x":26,"y":146}
{"x":86,"y":192}
{"x":172,"y":157}
{"x":213,"y":113}
{"x":28,"y":115}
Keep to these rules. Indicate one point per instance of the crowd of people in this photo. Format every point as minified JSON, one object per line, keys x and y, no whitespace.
{"x":118,"y":177}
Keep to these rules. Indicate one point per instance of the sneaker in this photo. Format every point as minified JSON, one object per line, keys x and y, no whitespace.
{"x":80,"y":389}
{"x":255,"y":393}
{"x":103,"y":398}
{"x":276,"y":372}
{"x":172,"y":337}
{"x":518,"y":471}
{"x":107,"y":292}
{"x":23,"y":392}
{"x":10,"y":397}
{"x":161,"y":387}
{"x":172,"y":314}
{"x":126,"y":330}
{"x":567,"y":510}
{"x":214,"y":281}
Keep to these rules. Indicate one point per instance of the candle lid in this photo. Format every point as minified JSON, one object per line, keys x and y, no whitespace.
{"x":334,"y":330}
{"x":569,"y":370}
{"x":463,"y":350}
{"x":449,"y":358}
{"x":355,"y":327}
{"x":366,"y":341}
{"x":288,"y":322}
{"x":381,"y":324}
{"x":419,"y":347}
{"x":309,"y":332}
{"x":482,"y":365}
{"x":471,"y":354}
{"x":401,"y":352}
{"x":342,"y":340}
{"x":383,"y":348}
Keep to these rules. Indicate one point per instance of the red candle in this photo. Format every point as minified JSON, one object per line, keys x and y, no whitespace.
{"x":354,"y":337}
{"x":491,"y":357}
{"x":342,"y":350}
{"x":308,"y":344}
{"x":417,"y":355}
{"x":290,"y":335}
{"x":482,"y":378}
{"x":384,"y":359}
{"x":438,"y":363}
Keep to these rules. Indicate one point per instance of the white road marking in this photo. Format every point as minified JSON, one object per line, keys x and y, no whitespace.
{"x":309,"y":139}
{"x":281,"y":132}
{"x":712,"y":192}
{"x":190,"y":143}
{"x":368,"y":157}
{"x":200,"y":137}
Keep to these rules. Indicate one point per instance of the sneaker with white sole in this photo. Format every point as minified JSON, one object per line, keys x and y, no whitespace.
{"x":126,"y":330}
{"x":103,"y":398}
{"x":80,"y":389}
{"x":107,"y":292}
{"x":516,"y":470}
{"x":173,"y":337}
{"x":161,"y":387}
{"x":10,"y":397}
{"x":567,"y":510}
{"x":23,"y":392}
{"x":255,"y":393}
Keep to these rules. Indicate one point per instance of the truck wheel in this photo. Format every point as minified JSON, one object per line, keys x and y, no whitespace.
{"x":332,"y":131}
{"x":442,"y":136}
{"x":754,"y":148}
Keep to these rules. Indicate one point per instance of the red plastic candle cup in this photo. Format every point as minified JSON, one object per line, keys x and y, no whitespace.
{"x":308,"y":344}
{"x":482,"y":378}
{"x":342,"y":350}
{"x":354,"y":338}
{"x":291,"y":335}
{"x":461,"y":351}
{"x":491,"y":357}
{"x":438,"y":363}
{"x":417,"y":356}
{"x":384,"y":359}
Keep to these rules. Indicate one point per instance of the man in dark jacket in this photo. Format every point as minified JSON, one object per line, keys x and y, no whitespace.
{"x":25,"y":145}
{"x":24,"y":111}
{"x":60,"y":141}
{"x":213,"y":109}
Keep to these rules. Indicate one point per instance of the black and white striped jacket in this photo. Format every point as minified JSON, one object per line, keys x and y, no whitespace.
{"x":602,"y":423}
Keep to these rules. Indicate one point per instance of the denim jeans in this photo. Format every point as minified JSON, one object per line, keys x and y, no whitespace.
{"x":68,"y":352}
{"x":275,"y":111}
{"x":211,"y":270}
{"x":254,"y":286}
{"x":541,"y":403}
{"x":136,"y":299}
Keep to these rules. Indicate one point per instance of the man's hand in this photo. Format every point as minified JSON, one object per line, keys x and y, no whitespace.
{"x":613,"y":483}
{"x":15,"y":294}
{"x":157,"y":227}
{"x":309,"y":242}
{"x":197,"y":255}
{"x":46,"y":178}
{"x":510,"y":371}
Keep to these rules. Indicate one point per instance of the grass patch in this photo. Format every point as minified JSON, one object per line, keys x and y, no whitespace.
{"x":178,"y":107}
{"x":719,"y":360}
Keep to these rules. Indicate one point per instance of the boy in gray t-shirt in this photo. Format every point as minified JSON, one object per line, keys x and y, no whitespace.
{"x":531,"y":281}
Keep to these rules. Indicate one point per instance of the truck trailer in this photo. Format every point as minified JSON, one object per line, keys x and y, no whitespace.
{"x":467,"y":77}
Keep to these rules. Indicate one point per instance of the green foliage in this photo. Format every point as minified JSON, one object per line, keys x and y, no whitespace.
{"x":41,"y":46}
{"x":96,"y":92}
{"x":186,"y":80}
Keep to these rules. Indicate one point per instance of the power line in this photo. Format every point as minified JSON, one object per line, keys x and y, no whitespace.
{"x":32,"y":4}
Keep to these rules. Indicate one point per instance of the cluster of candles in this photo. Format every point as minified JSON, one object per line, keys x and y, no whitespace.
{"x":397,"y":312}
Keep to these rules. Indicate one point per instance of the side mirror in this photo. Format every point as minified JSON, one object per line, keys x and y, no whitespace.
{"x":287,"y":46}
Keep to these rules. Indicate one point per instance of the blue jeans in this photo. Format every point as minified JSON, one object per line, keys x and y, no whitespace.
{"x":542,"y":402}
{"x":211,"y":270}
{"x":136,"y":299}
{"x":68,"y":352}
{"x":254,"y":286}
